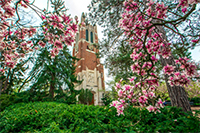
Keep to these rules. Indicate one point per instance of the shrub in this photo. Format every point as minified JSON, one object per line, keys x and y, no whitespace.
{"x":106,"y":98}
{"x":196,"y":101}
{"x":85,"y":96}
{"x":58,"y":117}
{"x":6,"y":100}
{"x":27,"y":96}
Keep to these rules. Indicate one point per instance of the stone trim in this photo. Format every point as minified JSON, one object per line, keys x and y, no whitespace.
{"x":90,"y":51}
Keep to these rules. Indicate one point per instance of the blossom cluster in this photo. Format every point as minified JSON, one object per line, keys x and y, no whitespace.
{"x":130,"y":95}
{"x":187,"y":71}
{"x":58,"y":31}
{"x":139,"y":25}
{"x":15,"y":40}
{"x":13,"y":43}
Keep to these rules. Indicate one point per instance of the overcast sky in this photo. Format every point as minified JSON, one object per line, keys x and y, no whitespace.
{"x":76,"y":7}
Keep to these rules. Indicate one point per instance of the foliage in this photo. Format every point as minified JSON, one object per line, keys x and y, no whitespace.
{"x":6,"y":100}
{"x":144,"y":24}
{"x":13,"y":78}
{"x":107,"y":99}
{"x":196,"y":101}
{"x":161,"y":92}
{"x":85,"y":96}
{"x":35,"y":96}
{"x":193,"y":90}
{"x":54,"y":76}
{"x":114,"y":46}
{"x":53,"y":70}
{"x":55,"y":34}
{"x":54,"y":117}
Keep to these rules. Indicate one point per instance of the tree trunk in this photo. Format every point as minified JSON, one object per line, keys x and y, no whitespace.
{"x":1,"y":85}
{"x":177,"y":94}
{"x":52,"y":86}
{"x":6,"y":82}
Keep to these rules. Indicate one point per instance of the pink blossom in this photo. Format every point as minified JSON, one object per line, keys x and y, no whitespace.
{"x":131,"y":79}
{"x":10,"y":64}
{"x":150,"y":108}
{"x":151,"y":88}
{"x":43,"y":17}
{"x":151,"y":94}
{"x":73,"y":27}
{"x":142,"y":100}
{"x":184,"y":10}
{"x":114,"y":103}
{"x":129,"y":96}
{"x":133,"y":100}
{"x":58,"y":44}
{"x":159,"y":103}
{"x":118,"y":86}
{"x":68,"y":40}
{"x":41,"y":43}
{"x":127,"y":87}
{"x":183,"y":3}
{"x":120,"y":93}
{"x":169,"y":69}
{"x":154,"y":58}
{"x":2,"y":70}
{"x":122,"y":101}
{"x":195,"y":41}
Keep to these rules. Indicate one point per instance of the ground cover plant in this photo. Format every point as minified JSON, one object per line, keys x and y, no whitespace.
{"x":60,"y":117}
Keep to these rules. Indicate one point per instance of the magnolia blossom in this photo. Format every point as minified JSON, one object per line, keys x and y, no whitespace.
{"x":150,"y":108}
{"x":148,"y":44}
{"x":179,"y":80}
{"x":195,"y":41}
{"x":118,"y":86}
{"x":41,"y":43}
{"x":120,"y":93}
{"x":119,"y":106}
{"x":131,"y":79}
{"x":169,"y":69}
{"x":60,"y":26}
{"x":58,"y":44}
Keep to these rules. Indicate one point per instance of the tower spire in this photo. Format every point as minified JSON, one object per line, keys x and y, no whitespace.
{"x":89,"y":69}
{"x":83,"y":17}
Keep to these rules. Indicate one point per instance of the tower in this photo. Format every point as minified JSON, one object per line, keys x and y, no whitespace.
{"x":88,"y":67}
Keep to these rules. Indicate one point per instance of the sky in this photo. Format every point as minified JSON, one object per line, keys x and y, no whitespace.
{"x":76,"y":7}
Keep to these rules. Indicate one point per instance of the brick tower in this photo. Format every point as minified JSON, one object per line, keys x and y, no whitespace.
{"x":88,"y":67}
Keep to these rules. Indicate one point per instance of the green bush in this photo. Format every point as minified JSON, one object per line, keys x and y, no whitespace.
{"x":6,"y":100}
{"x":106,"y":99}
{"x":195,"y":100}
{"x":60,"y":117}
{"x":27,"y":96}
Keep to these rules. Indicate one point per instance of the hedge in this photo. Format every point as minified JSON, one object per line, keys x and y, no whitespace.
{"x":60,"y":117}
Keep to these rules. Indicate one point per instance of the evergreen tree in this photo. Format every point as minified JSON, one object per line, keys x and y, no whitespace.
{"x":53,"y":73}
{"x":55,"y":76}
{"x":85,"y":96}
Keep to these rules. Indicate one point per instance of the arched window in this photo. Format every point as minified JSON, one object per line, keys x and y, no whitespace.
{"x":91,"y":37}
{"x":87,"y":39}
